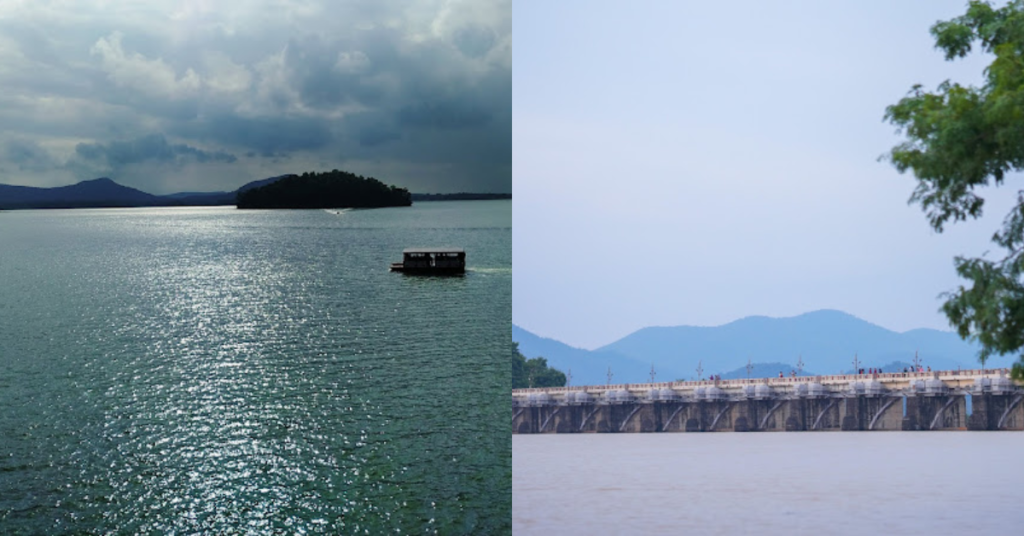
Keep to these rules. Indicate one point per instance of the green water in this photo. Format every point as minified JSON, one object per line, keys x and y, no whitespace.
{"x":223,"y":371}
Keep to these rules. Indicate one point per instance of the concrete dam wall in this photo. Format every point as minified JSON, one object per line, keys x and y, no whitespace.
{"x":927,"y":401}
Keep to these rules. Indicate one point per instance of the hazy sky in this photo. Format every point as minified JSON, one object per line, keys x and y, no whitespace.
{"x":172,"y":96}
{"x":695,"y":163}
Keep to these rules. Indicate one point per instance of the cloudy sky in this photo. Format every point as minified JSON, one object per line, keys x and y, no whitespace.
{"x":196,"y":95}
{"x":692,"y":163}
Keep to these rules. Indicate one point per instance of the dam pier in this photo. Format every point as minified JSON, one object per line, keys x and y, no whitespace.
{"x":941,"y":400}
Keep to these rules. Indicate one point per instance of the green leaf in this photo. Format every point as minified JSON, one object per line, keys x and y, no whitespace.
{"x":960,"y":140}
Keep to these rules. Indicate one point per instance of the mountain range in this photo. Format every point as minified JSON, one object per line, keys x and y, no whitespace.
{"x":104,"y":192}
{"x":825,"y":341}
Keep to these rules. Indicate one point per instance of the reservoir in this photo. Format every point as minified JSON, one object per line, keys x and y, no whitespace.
{"x":213,"y":370}
{"x":853,"y":483}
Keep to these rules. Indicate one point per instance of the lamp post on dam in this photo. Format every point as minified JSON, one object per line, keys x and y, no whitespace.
{"x":880,"y":401}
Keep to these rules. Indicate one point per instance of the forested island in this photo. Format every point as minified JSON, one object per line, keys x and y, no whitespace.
{"x":332,"y":189}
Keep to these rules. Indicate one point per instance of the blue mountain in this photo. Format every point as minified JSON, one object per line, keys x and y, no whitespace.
{"x":827,"y":341}
{"x":217,"y":198}
{"x":587,"y":367}
{"x":262,"y":182}
{"x":104,"y":192}
{"x":101,"y":192}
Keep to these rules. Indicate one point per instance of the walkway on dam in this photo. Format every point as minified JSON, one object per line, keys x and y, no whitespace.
{"x":951,"y":379}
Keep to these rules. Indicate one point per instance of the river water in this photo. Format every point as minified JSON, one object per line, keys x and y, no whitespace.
{"x":212,"y":370}
{"x":853,"y":483}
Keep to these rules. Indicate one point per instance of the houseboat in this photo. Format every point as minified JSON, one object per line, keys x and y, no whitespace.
{"x":447,"y":261}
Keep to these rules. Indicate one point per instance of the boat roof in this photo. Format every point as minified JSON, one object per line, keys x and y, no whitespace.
{"x":433,"y":250}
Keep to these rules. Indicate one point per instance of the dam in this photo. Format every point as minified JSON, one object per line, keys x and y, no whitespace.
{"x":937,"y":400}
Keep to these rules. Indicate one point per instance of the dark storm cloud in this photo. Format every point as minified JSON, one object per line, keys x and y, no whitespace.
{"x":148,"y":148}
{"x":397,"y":86}
{"x":373,"y":136}
{"x":26,"y":155}
{"x":474,"y":41}
{"x":34,"y":43}
{"x":461,"y":129}
{"x":443,"y":115}
{"x":264,"y":135}
{"x":330,"y":74}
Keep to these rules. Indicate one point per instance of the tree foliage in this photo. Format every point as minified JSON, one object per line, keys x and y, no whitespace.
{"x":332,"y":189}
{"x":533,"y":372}
{"x":960,"y":139}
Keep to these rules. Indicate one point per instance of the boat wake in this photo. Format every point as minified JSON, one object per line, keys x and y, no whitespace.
{"x":479,"y":270}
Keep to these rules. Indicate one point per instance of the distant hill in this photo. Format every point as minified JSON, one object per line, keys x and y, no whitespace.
{"x":101,"y":192}
{"x":771,"y":370}
{"x":588,"y":368}
{"x":762,"y":370}
{"x":222,"y":198}
{"x":185,"y":195}
{"x":826,"y":340}
{"x":262,"y":182}
{"x":104,"y":192}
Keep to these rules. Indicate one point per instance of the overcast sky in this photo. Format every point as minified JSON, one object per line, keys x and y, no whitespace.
{"x":171,"y":96}
{"x":695,"y":163}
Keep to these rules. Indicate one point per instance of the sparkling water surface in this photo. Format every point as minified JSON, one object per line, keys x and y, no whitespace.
{"x":845,"y":483}
{"x":213,"y":370}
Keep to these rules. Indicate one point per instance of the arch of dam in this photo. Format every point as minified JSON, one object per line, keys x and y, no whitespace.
{"x":889,"y":401}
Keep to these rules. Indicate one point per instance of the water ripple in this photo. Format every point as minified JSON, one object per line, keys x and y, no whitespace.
{"x":232,"y":371}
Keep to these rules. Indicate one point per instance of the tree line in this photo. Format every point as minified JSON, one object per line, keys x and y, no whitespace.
{"x":533,"y":372}
{"x":960,"y":139}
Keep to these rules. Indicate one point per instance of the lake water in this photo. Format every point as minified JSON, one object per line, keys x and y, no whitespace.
{"x":857,"y":483}
{"x":213,"y":370}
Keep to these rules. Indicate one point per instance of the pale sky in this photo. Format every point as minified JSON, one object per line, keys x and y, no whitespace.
{"x":169,"y":96}
{"x":695,"y":163}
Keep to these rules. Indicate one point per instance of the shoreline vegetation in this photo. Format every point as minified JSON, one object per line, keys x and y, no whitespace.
{"x":105,"y":193}
{"x":534,"y":372}
{"x":332,"y":189}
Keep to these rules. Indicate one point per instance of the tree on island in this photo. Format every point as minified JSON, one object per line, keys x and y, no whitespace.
{"x":533,"y":372}
{"x":962,"y":138}
{"x":332,"y":189}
